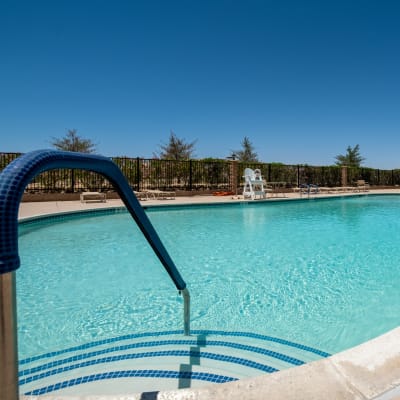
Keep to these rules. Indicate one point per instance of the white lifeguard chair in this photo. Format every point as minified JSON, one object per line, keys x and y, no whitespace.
{"x":253,"y":184}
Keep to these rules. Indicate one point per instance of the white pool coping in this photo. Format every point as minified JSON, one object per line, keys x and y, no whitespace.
{"x":368,"y":371}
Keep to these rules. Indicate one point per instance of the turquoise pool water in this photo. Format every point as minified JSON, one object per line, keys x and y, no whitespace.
{"x":324,"y":273}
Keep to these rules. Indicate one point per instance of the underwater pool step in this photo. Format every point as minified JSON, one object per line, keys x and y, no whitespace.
{"x":159,"y":361}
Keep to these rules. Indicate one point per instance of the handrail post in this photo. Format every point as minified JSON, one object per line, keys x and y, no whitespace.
{"x":8,"y":338}
{"x":186,"y":311}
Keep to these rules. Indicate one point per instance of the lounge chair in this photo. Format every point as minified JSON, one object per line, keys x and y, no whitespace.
{"x":277,"y":189}
{"x":92,"y":196}
{"x":361,"y":186}
{"x":141,"y":195}
{"x":254,"y":184}
{"x":161,"y":194}
{"x":326,"y":189}
{"x":307,"y":188}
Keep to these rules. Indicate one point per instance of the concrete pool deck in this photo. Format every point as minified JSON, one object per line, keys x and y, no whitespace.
{"x":368,"y":371}
{"x":30,"y":209}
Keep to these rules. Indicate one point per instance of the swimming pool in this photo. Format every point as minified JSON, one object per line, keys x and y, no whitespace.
{"x":323,"y":273}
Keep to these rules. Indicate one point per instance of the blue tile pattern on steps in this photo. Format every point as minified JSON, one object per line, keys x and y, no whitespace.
{"x":203,"y":376}
{"x":168,"y":353}
{"x":174,"y":332}
{"x":274,"y":354}
{"x":263,"y":337}
{"x":207,"y":355}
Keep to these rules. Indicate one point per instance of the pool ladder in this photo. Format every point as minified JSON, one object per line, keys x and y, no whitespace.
{"x":13,"y":181}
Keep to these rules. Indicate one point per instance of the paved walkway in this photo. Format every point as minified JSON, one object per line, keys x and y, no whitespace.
{"x":30,"y":209}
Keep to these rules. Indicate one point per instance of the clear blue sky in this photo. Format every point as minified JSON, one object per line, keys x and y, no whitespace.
{"x":302,"y":79}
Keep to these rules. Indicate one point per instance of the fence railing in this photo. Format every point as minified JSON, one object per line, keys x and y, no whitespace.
{"x":198,"y":175}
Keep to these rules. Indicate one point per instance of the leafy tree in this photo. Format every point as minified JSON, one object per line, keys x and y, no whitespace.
{"x":72,"y":142}
{"x":247,"y":154}
{"x":176,"y":149}
{"x":352,"y":158}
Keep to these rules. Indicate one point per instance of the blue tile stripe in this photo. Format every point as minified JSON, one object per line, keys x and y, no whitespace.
{"x":146,"y":373}
{"x":253,"y":349}
{"x":98,"y":343}
{"x":174,"y":332}
{"x":168,"y":353}
{"x":264,"y":337}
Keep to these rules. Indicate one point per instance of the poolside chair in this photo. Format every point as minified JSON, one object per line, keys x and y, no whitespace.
{"x":253,"y":184}
{"x":362,"y":186}
{"x":161,"y":194}
{"x":307,"y":188}
{"x":92,"y":196}
{"x":143,"y":195}
{"x":312,"y":188}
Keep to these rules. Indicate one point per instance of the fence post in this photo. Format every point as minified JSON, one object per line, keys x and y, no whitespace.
{"x":190,"y":175}
{"x":138,"y":173}
{"x":72,"y":180}
{"x":234,"y":170}
{"x":344,"y":175}
{"x":298,"y":175}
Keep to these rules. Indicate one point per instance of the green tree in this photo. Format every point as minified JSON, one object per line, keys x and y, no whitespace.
{"x":247,"y":153}
{"x":176,"y":149}
{"x":72,"y":142}
{"x":352,"y":158}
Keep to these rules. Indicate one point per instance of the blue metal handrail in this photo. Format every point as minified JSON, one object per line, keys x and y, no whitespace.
{"x":13,"y":181}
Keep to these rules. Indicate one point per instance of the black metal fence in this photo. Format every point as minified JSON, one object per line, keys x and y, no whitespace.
{"x":196,"y":175}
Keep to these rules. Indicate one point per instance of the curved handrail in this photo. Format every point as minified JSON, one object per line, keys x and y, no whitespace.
{"x":13,"y":181}
{"x":21,"y":171}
